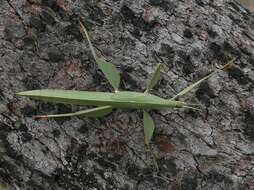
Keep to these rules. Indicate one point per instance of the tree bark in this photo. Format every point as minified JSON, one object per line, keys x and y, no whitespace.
{"x":42,"y":47}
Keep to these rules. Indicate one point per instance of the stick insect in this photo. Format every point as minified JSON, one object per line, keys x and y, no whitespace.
{"x":107,"y":101}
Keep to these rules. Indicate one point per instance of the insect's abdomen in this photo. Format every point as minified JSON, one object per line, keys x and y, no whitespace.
{"x":122,"y":99}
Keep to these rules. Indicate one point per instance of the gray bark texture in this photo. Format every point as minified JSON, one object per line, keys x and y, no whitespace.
{"x":41,"y":47}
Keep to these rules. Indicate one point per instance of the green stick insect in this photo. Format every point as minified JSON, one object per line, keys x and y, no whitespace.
{"x":106,"y":101}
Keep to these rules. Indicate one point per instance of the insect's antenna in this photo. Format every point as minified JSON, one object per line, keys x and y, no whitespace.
{"x":193,"y":108}
{"x":191,"y":104}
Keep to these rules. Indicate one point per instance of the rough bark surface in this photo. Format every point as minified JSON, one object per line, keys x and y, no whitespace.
{"x":41,"y":47}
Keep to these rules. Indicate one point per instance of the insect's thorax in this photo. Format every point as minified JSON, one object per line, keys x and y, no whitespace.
{"x":126,"y":99}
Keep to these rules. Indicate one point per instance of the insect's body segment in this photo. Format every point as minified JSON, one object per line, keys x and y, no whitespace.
{"x":121,"y":99}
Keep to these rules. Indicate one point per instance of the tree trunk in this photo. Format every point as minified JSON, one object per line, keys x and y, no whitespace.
{"x":42,"y":47}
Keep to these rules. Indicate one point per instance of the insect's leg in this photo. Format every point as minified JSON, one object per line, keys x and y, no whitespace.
{"x":154,"y":79}
{"x":189,"y":88}
{"x":84,"y":32}
{"x":94,"y":112}
{"x":148,"y":132}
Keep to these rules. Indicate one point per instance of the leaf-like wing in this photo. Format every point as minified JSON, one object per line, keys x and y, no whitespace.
{"x":110,"y":72}
{"x":148,"y":127}
{"x":154,"y":79}
{"x":94,"y":112}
